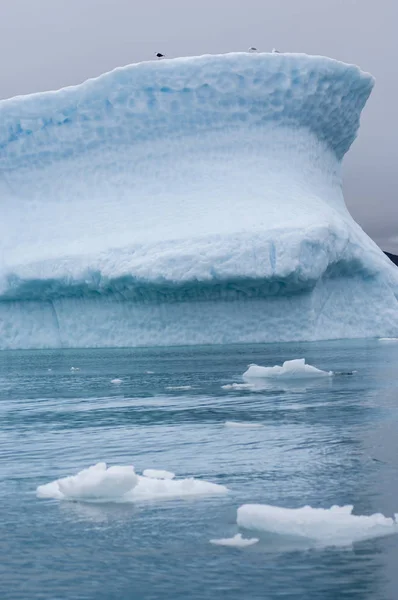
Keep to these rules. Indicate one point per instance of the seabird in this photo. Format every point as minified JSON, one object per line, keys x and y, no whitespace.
{"x":252,"y":49}
{"x":159,"y":55}
{"x":275,"y":51}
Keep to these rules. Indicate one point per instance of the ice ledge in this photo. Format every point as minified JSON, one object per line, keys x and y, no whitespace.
{"x":191,"y":94}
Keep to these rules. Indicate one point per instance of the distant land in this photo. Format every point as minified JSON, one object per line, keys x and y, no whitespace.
{"x":392,"y":257}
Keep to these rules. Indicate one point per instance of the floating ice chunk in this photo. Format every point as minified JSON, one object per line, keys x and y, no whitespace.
{"x":121,"y":484}
{"x":149,"y":372}
{"x":179,"y":388}
{"x":334,"y":526}
{"x":75,"y":368}
{"x":237,"y":386}
{"x":242,"y":425}
{"x":162,"y":489}
{"x":391,"y":339}
{"x":95,"y":483}
{"x":237,"y":541}
{"x":291,"y":369}
{"x":158,"y":474}
{"x":116,"y":381}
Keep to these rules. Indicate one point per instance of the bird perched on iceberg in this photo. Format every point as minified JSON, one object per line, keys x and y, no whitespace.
{"x":275,"y":51}
{"x":159,"y":55}
{"x":252,"y":49}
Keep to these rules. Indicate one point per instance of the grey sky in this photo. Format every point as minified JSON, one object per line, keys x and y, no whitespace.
{"x":47,"y":44}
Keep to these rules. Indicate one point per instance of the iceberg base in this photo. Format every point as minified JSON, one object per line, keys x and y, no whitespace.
{"x":335,"y":308}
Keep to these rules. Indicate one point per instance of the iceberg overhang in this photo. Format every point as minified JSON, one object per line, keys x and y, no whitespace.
{"x":193,"y":200}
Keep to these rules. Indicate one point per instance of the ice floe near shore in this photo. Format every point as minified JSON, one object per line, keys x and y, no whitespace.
{"x":100,"y":483}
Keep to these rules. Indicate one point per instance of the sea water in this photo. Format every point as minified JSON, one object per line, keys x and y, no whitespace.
{"x":188,"y":410}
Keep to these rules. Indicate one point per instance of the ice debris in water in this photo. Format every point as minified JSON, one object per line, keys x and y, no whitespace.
{"x":116,"y":381}
{"x":242,"y":425}
{"x":179,"y":388}
{"x":99,"y":483}
{"x":237,"y":541}
{"x":334,"y":526}
{"x":237,"y":386}
{"x":291,"y":369}
{"x":75,"y":368}
{"x":158,"y":474}
{"x":388,"y":339}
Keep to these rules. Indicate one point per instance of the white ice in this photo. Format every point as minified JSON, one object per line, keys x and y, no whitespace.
{"x":334,"y":526}
{"x":100,"y":483}
{"x":291,"y":369}
{"x":158,"y":474}
{"x":237,"y":541}
{"x":116,"y":381}
{"x":237,"y":386}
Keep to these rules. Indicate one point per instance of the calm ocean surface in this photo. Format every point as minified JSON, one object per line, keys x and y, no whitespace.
{"x":331,"y":441}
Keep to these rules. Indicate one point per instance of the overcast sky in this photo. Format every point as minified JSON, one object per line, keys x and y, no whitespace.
{"x":47,"y":44}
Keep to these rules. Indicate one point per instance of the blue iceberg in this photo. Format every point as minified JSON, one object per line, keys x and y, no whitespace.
{"x":186,"y":201}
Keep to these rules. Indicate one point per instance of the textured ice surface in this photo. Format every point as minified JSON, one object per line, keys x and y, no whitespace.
{"x":334,"y":526}
{"x":291,"y":369}
{"x":100,"y":483}
{"x":237,"y":541}
{"x":158,"y":474}
{"x":192,"y":200}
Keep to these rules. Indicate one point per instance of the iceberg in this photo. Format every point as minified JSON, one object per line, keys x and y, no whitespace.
{"x":187,"y":201}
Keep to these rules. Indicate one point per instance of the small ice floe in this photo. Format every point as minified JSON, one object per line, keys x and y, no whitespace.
{"x":75,"y":368}
{"x":343,"y":373}
{"x":179,"y":388}
{"x":100,"y":483}
{"x":149,"y":372}
{"x":242,"y":425}
{"x":116,"y":381}
{"x":333,"y":526}
{"x":388,"y":339}
{"x":237,"y":386}
{"x":237,"y":541}
{"x":49,"y":370}
{"x":158,"y":474}
{"x":291,"y":369}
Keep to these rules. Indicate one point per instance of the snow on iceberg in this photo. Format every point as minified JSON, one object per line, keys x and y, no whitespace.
{"x":100,"y":483}
{"x":237,"y":541}
{"x":194,"y":200}
{"x":334,"y":526}
{"x":291,"y":369}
